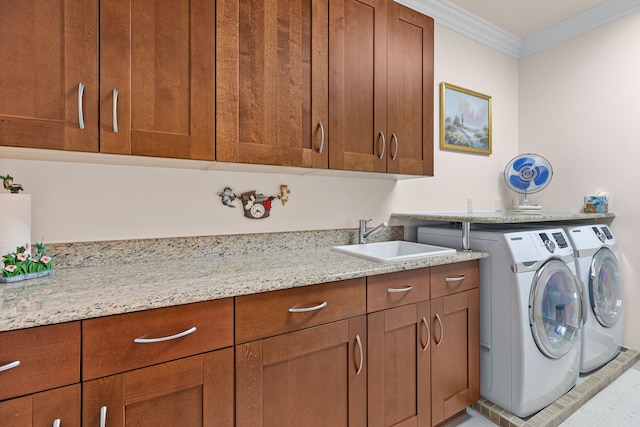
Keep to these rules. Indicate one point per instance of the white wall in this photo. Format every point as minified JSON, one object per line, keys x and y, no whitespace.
{"x":88,"y":202}
{"x":579,"y":108}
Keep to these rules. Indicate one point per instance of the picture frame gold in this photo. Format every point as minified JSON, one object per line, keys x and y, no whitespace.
{"x":465,"y":120}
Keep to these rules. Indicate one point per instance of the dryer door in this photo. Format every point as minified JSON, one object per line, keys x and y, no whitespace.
{"x":555,"y":309}
{"x":605,"y":287}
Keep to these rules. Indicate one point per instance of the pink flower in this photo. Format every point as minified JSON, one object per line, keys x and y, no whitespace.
{"x":45,"y":259}
{"x":10,"y":268}
{"x":26,"y":246}
{"x":22,"y":257}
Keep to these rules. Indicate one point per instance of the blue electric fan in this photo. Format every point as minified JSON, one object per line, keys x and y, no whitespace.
{"x":525,"y":174}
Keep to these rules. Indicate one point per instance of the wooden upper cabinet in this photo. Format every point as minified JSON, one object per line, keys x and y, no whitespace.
{"x":358,"y":85}
{"x":410,"y":92}
{"x":272,"y":80}
{"x":48,"y":48}
{"x":381,"y":87}
{"x":160,"y":58}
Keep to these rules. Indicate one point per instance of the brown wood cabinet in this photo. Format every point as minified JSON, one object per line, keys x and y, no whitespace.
{"x":167,"y":366}
{"x":380,"y":87}
{"x":455,"y":347}
{"x":272,"y":96}
{"x":48,"y":49}
{"x":43,"y":409}
{"x":157,"y":65}
{"x":308,"y":366}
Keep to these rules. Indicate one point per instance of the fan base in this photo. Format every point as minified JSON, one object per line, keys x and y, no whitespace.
{"x":528,"y":209}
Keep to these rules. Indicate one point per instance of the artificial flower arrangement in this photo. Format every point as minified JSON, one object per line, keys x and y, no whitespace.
{"x":21,"y":264}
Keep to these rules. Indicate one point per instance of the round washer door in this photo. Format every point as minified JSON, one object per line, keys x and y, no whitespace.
{"x":555,"y":309}
{"x":605,"y":287}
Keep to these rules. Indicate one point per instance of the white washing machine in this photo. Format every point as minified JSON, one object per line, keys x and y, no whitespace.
{"x":531,"y":313}
{"x":598,"y":267}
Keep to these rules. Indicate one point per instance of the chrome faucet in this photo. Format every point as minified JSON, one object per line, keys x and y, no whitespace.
{"x":364,"y":232}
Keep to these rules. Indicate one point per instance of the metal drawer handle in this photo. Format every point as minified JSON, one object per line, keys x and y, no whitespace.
{"x":9,"y":366}
{"x":115,"y":110}
{"x":80,"y":113}
{"x":359,"y":342}
{"x":426,"y":326}
{"x":384,"y":144}
{"x":103,"y":416}
{"x":396,"y":290}
{"x":456,"y":279}
{"x":161,"y":339}
{"x":306,"y":309}
{"x":395,"y":152}
{"x":321,"y":137}
{"x":441,"y":330}
{"x":56,"y":422}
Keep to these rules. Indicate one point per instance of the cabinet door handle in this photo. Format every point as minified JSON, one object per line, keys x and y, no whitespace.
{"x":11,"y":365}
{"x":456,"y":279}
{"x":161,"y":339}
{"x":359,"y":342}
{"x":441,"y":330}
{"x":103,"y":416}
{"x":395,"y":152}
{"x":398,"y":290}
{"x":384,"y":144}
{"x":426,"y":326}
{"x":80,"y":112}
{"x":115,"y":110}
{"x":321,"y":137}
{"x":307,"y":309}
{"x":56,"y":422}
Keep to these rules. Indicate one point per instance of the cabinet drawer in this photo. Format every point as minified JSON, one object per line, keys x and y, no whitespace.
{"x":44,"y":357}
{"x":395,"y":289}
{"x":109,"y":343}
{"x":452,"y":278}
{"x":272,"y":313}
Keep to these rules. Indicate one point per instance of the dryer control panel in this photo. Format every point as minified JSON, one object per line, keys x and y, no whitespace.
{"x":538,"y":245}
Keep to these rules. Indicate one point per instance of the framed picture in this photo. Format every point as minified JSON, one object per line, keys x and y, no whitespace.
{"x":465,"y":119}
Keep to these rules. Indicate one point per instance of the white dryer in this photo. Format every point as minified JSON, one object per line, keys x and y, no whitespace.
{"x":598,"y":267}
{"x":531,"y":312}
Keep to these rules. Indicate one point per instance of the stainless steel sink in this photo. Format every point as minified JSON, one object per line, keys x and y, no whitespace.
{"x":394,"y":251}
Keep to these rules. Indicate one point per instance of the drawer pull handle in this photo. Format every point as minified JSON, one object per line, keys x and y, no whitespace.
{"x":306,"y":309}
{"x":395,"y":152}
{"x":426,"y":326}
{"x":384,"y":143}
{"x":115,"y":110}
{"x":359,"y":342}
{"x":9,"y":366}
{"x":56,"y":422}
{"x":161,"y":339}
{"x":456,"y":279}
{"x":80,"y":112}
{"x":103,"y":416}
{"x":397,"y":290}
{"x":321,"y":137}
{"x":441,"y":330}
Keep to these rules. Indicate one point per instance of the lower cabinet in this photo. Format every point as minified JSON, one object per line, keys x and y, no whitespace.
{"x":57,"y":407}
{"x":194,"y":391}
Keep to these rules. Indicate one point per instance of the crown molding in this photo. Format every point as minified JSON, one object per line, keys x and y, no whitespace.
{"x":455,"y":18}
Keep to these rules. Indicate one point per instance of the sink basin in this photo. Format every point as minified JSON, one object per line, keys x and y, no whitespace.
{"x":394,"y":251}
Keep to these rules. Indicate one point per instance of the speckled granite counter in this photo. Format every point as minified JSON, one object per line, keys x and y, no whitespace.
{"x":500,"y":217}
{"x":181,"y":271}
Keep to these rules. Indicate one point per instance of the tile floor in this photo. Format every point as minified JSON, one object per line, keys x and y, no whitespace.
{"x":486,"y":414}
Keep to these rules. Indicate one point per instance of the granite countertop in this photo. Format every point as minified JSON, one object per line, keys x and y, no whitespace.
{"x":101,"y":290}
{"x":501,"y":217}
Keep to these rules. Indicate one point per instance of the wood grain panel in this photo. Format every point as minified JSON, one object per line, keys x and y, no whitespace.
{"x":49,"y":357}
{"x":60,"y":403}
{"x":109,"y":347}
{"x":267,"y":314}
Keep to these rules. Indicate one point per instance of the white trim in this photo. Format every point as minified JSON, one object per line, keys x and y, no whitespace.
{"x":455,"y":18}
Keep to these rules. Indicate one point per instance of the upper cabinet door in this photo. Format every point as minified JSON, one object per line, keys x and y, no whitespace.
{"x":48,"y":74}
{"x":410,"y":92}
{"x":272,"y":82}
{"x":358,"y":85}
{"x":157,"y":78}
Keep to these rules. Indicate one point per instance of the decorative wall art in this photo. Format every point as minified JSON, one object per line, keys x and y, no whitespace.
{"x":465,"y":119}
{"x":255,"y":205}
